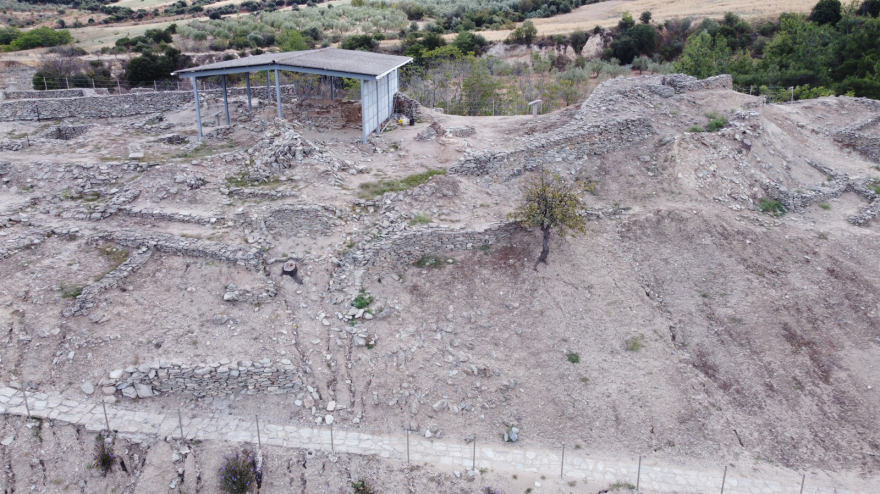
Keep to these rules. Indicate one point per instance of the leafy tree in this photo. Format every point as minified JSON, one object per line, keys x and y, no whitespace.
{"x":869,"y":8}
{"x":363,"y":42}
{"x":468,"y":42}
{"x":39,"y":37}
{"x":626,"y":21}
{"x":291,"y":40}
{"x":826,"y":12}
{"x":578,"y":40}
{"x":645,"y":17}
{"x":551,"y":203}
{"x":704,"y":58}
{"x":525,"y":34}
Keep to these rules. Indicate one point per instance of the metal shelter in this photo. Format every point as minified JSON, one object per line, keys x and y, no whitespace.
{"x":377,"y":72}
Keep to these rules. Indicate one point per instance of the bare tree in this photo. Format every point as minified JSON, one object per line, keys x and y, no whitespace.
{"x":551,"y":203}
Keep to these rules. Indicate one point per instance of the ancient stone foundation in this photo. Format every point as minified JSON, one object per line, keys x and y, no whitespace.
{"x":205,"y":379}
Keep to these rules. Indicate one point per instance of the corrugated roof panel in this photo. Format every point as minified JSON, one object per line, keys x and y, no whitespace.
{"x":331,"y":59}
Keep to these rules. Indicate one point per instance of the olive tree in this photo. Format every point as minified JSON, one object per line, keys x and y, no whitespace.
{"x":550,"y":203}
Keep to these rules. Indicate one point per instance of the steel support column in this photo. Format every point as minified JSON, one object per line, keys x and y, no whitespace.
{"x":268,"y":86}
{"x":363,"y":114}
{"x":277,"y":93}
{"x":247,"y":83}
{"x":225,"y":100}
{"x":196,"y":100}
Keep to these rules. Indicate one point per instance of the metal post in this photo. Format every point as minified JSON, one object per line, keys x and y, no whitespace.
{"x":639,"y":473}
{"x":803,"y":478}
{"x":723,"y":479}
{"x":225,"y":100}
{"x":45,"y":86}
{"x":106,"y":420}
{"x":332,"y":447}
{"x":259,"y":441}
{"x":67,"y":82}
{"x":155,"y":86}
{"x":332,"y":88}
{"x":364,"y":130}
{"x":26,"y":406}
{"x":196,"y":99}
{"x":277,"y":93}
{"x":268,"y":91}
{"x":93,"y":83}
{"x":180,"y":423}
{"x":562,"y":463}
{"x":247,"y":83}
{"x":118,"y":89}
{"x":407,"y":448}
{"x":178,"y":85}
{"x":474,"y":461}
{"x":792,"y":94}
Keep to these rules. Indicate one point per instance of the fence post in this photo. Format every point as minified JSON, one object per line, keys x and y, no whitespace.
{"x":106,"y":420}
{"x":259,"y":441}
{"x":474,"y":460}
{"x":639,"y":472}
{"x":93,"y":83}
{"x":26,"y":406}
{"x":723,"y":479}
{"x":407,"y":448}
{"x":180,"y":423}
{"x":118,"y":89}
{"x":67,"y":82}
{"x":803,"y":478}
{"x":45,"y":86}
{"x":562,"y":463}
{"x":332,"y":446}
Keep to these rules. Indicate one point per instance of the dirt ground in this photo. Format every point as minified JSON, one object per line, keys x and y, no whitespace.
{"x":705,"y":331}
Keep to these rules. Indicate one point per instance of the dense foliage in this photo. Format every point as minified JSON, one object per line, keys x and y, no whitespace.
{"x":841,"y":57}
{"x":12,"y":39}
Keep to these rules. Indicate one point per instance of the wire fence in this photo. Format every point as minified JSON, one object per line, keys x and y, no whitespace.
{"x":771,"y":94}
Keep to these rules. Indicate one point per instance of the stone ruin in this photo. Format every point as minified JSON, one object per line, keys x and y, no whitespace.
{"x":65,"y":132}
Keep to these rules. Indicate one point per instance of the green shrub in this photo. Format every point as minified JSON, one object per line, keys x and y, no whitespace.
{"x":634,"y":344}
{"x":716,"y":124}
{"x":771,"y":206}
{"x":362,"y":301}
{"x":373,"y":189}
{"x":420,"y":219}
{"x":239,"y":472}
{"x":429,"y":261}
{"x":362,"y":487}
{"x":573,"y":357}
{"x":104,"y":458}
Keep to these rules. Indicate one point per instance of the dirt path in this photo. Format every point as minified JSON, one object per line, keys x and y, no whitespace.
{"x":653,"y":476}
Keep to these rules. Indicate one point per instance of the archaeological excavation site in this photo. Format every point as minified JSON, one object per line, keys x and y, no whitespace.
{"x":336,"y":307}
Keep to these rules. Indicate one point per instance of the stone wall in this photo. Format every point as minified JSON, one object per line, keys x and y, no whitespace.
{"x":290,"y":219}
{"x":408,"y":246}
{"x":866,"y":145}
{"x":208,"y":379}
{"x":245,"y":256}
{"x":571,"y":144}
{"x":125,"y":105}
{"x":52,"y":93}
{"x":89,"y":296}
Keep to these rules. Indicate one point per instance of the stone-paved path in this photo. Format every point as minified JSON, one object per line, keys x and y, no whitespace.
{"x":655,"y":476}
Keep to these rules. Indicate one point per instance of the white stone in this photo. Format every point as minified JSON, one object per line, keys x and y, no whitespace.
{"x":328,"y":419}
{"x":331,"y":406}
{"x":8,"y":440}
{"x":87,"y":388}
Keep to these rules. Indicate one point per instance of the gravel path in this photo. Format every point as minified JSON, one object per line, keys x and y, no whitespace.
{"x":654,"y":477}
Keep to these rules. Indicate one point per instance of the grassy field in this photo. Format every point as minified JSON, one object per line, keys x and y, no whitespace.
{"x":606,"y":14}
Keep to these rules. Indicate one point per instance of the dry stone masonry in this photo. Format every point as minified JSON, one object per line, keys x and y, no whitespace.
{"x":50,"y":107}
{"x":209,"y":379}
{"x":163,"y":242}
{"x":865,"y":144}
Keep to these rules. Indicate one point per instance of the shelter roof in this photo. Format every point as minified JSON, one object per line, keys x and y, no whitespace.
{"x":329,"y":61}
